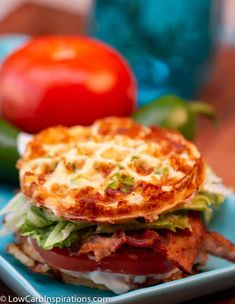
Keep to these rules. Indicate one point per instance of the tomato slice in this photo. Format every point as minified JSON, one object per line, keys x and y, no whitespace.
{"x":128,"y":260}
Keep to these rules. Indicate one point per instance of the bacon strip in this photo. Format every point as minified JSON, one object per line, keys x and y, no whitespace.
{"x":103,"y":246}
{"x":182,"y":248}
{"x":146,"y":239}
{"x":215,"y":244}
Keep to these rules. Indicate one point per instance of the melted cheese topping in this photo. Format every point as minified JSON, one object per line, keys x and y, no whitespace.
{"x":111,"y":171}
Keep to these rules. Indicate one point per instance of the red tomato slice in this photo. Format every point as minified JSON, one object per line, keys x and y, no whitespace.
{"x":67,"y":81}
{"x":127,"y":260}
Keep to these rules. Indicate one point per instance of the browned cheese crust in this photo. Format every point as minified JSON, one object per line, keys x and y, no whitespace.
{"x":112,"y":171}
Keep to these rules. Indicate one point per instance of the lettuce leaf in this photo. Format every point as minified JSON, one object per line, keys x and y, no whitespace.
{"x":61,"y":233}
{"x":48,"y":230}
{"x":205,"y":202}
{"x":170,"y":221}
{"x":57,"y":235}
{"x":34,"y":217}
{"x":14,"y":213}
{"x":15,"y":204}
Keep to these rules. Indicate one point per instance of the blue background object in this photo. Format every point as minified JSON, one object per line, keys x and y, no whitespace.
{"x":166,"y":42}
{"x":9,"y":43}
{"x":218,"y":274}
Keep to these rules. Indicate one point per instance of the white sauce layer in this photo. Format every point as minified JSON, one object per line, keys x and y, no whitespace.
{"x":117,"y":282}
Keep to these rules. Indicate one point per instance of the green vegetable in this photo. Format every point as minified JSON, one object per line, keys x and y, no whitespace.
{"x":175,"y":113}
{"x":166,"y":221}
{"x":60,"y":233}
{"x":49,"y":230}
{"x":205,"y":202}
{"x":8,"y":152}
{"x":134,"y":158}
{"x":162,"y":171}
{"x":18,"y":202}
{"x":171,"y":221}
{"x":34,"y":218}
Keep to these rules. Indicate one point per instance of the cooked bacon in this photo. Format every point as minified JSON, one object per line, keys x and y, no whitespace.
{"x":148,"y":239}
{"x":183,"y":247}
{"x":215,"y":244}
{"x":103,"y":246}
{"x":202,"y":258}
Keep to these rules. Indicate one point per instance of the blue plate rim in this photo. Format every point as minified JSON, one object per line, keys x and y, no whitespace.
{"x":4,"y":264}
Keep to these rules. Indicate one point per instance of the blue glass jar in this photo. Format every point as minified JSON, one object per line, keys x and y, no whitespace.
{"x":167,"y":42}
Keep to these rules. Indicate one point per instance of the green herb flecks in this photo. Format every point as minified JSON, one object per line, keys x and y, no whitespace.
{"x":162,"y":171}
{"x":76,"y":178}
{"x":121,"y":182}
{"x":119,"y":166}
{"x":134,"y":158}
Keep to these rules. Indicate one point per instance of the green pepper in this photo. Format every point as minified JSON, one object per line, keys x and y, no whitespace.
{"x":173,"y":112}
{"x":8,"y":152}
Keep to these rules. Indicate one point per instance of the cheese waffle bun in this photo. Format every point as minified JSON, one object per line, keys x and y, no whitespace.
{"x":112,"y":171}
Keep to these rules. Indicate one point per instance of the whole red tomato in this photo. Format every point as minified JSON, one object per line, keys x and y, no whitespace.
{"x":65,"y":80}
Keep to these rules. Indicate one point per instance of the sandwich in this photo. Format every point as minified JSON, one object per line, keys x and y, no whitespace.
{"x":115,"y":205}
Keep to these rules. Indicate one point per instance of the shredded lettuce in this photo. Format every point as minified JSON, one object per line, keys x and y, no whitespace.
{"x":14,"y":213}
{"x":15,"y":204}
{"x":57,"y":235}
{"x":33,"y":216}
{"x":170,"y":221}
{"x":63,"y":233}
{"x":205,"y":202}
{"x":48,"y":230}
{"x":60,"y":233}
{"x":11,"y":222}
